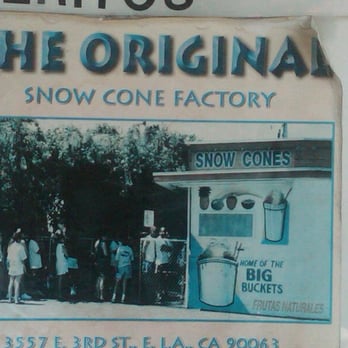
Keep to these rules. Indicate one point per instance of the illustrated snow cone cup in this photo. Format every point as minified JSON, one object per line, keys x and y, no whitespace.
{"x":217,"y":272}
{"x":274,"y":214}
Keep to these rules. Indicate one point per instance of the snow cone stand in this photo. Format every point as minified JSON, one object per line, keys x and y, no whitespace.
{"x":260,"y":227}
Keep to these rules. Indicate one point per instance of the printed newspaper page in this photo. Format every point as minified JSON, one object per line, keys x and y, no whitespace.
{"x":151,"y":8}
{"x":168,"y":183}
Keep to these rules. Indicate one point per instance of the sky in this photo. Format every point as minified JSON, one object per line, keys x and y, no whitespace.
{"x":222,"y":131}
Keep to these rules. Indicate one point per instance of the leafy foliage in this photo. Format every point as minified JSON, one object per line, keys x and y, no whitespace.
{"x":63,"y":173}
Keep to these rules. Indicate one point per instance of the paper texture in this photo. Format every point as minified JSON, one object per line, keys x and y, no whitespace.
{"x":226,"y":132}
{"x":223,"y":8}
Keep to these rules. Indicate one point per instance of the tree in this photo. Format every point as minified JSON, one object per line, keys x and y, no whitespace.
{"x":22,"y":179}
{"x":148,"y":149}
{"x":92,"y":179}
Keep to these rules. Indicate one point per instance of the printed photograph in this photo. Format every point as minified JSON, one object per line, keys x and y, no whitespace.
{"x":189,"y":220}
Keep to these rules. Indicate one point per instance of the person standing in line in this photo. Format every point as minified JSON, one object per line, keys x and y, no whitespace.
{"x":35,"y":261}
{"x":124,"y":258}
{"x":114,"y":245}
{"x":164,"y":249}
{"x":3,"y":274}
{"x":102,"y":264}
{"x":62,"y":268}
{"x":35,"y":264}
{"x":16,"y":256}
{"x":73,"y":266}
{"x":149,"y":251}
{"x":148,"y":257}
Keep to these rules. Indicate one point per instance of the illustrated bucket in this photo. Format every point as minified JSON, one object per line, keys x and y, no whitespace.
{"x":274,"y":221}
{"x":217,"y":281}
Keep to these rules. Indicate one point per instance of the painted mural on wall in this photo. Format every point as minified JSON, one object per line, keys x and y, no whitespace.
{"x":261,"y":229}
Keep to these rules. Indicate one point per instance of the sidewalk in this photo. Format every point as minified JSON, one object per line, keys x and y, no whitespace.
{"x":55,"y":310}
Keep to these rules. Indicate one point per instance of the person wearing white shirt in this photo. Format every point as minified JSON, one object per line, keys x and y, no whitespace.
{"x":35,"y":261}
{"x":16,"y":255}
